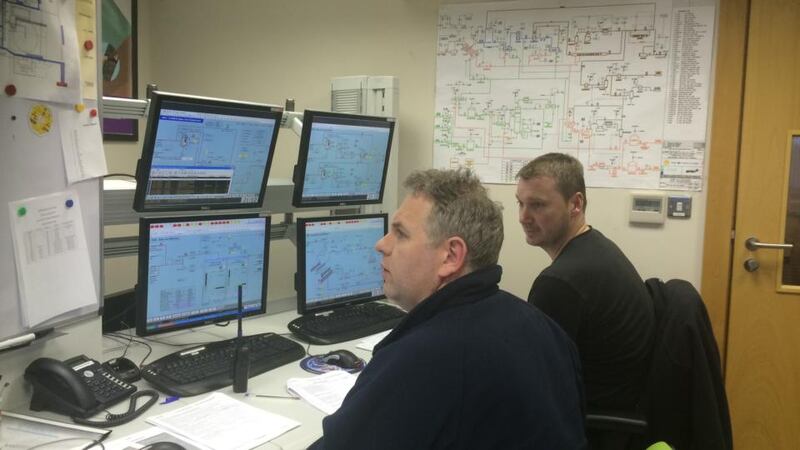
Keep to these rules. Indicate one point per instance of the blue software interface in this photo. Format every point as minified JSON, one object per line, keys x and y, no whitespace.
{"x":341,"y":263}
{"x":213,"y":156}
{"x":346,"y":159}
{"x":195,"y":268}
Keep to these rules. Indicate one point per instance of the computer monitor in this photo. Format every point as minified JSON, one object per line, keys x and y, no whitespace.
{"x":337,"y":264}
{"x":343,"y":159}
{"x":204,"y":153}
{"x":190,"y":269}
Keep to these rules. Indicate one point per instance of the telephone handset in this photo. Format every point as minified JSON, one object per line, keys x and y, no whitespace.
{"x":79,"y":387}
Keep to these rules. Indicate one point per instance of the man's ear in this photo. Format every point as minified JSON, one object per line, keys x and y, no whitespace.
{"x":455,"y":257}
{"x":577,"y":203}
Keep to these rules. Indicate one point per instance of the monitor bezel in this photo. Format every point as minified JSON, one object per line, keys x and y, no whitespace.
{"x":143,"y":270}
{"x":299,"y":176}
{"x":145,"y":162}
{"x":300,"y":276}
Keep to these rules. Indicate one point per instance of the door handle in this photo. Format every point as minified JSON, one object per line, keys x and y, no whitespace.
{"x":753,"y":244}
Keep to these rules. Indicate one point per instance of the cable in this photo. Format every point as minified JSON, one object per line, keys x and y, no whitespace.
{"x":112,"y":420}
{"x":119,"y":175}
{"x":130,"y":341}
{"x":116,"y":338}
{"x":97,"y":442}
{"x":171,"y":344}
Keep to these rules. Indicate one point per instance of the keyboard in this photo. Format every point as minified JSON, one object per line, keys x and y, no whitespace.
{"x":208,"y":367}
{"x":345,"y":324}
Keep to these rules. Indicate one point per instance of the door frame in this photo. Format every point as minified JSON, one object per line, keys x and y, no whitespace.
{"x":723,"y":172}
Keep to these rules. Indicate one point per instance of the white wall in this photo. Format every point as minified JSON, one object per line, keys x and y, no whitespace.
{"x":267,"y":51}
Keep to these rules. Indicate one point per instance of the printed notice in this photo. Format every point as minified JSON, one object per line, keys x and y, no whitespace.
{"x":82,"y":144}
{"x":53,"y":268}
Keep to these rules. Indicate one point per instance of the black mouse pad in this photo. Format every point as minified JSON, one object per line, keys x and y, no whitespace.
{"x":316,"y":364}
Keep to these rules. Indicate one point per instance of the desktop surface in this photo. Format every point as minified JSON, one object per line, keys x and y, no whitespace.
{"x":271,"y":383}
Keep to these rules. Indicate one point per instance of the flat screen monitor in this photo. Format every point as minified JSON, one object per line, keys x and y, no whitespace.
{"x":190,"y":269}
{"x":343,"y":159}
{"x":337,"y":264}
{"x":203,"y":153}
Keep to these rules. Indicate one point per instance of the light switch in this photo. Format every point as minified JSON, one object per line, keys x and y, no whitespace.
{"x":679,"y":206}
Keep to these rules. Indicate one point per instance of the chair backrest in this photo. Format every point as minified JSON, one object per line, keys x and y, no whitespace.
{"x":685,"y":402}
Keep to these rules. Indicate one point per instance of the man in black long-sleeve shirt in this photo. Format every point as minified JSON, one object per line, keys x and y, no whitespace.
{"x":591,"y":289}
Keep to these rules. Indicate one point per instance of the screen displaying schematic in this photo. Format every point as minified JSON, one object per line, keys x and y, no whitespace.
{"x":194,"y":267}
{"x":343,"y":159}
{"x":338,"y":260}
{"x":206,"y":153}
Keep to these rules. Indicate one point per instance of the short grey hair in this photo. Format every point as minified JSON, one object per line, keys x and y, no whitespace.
{"x":461,"y":207}
{"x":565,"y":170}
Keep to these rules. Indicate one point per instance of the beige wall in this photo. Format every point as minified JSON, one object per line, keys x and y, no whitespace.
{"x":267,"y":51}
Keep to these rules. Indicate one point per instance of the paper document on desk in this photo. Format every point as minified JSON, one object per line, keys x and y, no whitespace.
{"x":218,"y":422}
{"x":23,"y":431}
{"x":148,"y":436}
{"x":370,"y":342}
{"x":325,"y":392}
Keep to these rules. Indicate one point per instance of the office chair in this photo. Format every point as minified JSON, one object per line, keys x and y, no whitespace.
{"x":615,"y":430}
{"x":684,"y":402}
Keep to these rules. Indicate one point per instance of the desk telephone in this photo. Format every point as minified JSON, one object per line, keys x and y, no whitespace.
{"x":80,"y":387}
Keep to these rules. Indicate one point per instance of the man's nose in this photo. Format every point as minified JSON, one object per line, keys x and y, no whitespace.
{"x":524,"y":216}
{"x":381,"y":244}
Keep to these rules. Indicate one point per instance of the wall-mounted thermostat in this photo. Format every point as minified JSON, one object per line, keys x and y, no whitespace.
{"x":648,"y":207}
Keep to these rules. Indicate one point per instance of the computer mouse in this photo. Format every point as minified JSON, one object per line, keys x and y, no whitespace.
{"x":344,"y":359}
{"x":125,"y":369}
{"x":164,"y":446}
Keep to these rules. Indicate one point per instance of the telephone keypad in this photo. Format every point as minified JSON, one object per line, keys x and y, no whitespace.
{"x":107,"y":387}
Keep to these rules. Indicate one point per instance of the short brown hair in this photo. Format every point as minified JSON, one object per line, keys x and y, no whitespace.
{"x":461,"y":207}
{"x":564,"y":169}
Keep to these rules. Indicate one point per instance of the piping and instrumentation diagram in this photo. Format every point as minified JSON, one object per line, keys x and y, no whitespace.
{"x":623,"y":88}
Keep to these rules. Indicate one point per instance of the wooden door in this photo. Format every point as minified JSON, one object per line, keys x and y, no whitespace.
{"x":763,"y":354}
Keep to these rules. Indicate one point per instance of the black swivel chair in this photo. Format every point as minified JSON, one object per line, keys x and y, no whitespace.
{"x":684,"y":403}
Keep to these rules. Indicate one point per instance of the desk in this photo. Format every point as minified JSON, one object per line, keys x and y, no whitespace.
{"x":271,"y":382}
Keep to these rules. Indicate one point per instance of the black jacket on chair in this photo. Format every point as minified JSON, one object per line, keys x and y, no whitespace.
{"x":685,"y":403}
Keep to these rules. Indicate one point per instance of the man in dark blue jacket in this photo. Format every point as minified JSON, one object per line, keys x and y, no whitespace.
{"x":471,"y":366}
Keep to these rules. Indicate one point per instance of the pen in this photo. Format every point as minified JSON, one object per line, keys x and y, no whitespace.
{"x":24,"y":339}
{"x":170,"y":399}
{"x":285,"y":397}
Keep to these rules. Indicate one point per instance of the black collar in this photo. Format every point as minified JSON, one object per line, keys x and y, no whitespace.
{"x":470,"y":288}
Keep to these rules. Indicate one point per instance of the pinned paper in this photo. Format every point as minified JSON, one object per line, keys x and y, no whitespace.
{"x":82,"y":144}
{"x":39,"y":56}
{"x":54,"y":272}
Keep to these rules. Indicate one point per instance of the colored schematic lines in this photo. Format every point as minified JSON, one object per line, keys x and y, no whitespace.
{"x":596,"y":82}
{"x":343,"y":263}
{"x":338,"y":160}
{"x":35,"y":48}
{"x":203,"y":271}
